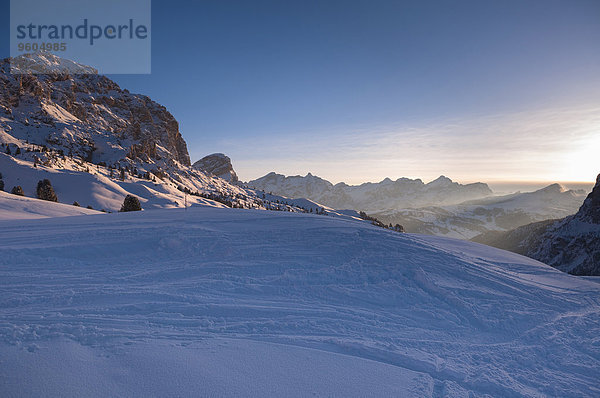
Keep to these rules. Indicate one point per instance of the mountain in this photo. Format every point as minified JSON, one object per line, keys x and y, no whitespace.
{"x":497,"y":213}
{"x":88,"y":116}
{"x":571,"y":244}
{"x":97,"y":142}
{"x":219,"y":165}
{"x":228,"y":302}
{"x":372,"y":197}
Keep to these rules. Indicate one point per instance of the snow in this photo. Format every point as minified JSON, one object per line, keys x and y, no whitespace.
{"x":14,"y":207}
{"x":95,"y":187}
{"x":228,"y":302}
{"x":211,"y":367}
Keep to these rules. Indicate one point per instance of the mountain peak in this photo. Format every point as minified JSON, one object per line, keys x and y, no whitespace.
{"x":590,"y":210}
{"x":553,"y":188}
{"x":44,"y":62}
{"x":217,"y":164}
{"x":370,"y":196}
{"x":77,"y":111}
{"x":441,"y":181}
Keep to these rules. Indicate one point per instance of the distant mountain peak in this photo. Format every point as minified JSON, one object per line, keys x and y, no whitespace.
{"x":553,"y":188}
{"x":217,"y":164}
{"x":440,"y":181}
{"x":369,"y":196}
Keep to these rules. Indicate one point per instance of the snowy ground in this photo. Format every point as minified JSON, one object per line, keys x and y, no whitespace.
{"x":14,"y":207}
{"x":226,"y":302}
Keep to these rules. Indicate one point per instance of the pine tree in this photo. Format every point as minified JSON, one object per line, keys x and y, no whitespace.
{"x":45,"y":191}
{"x":131,"y":203}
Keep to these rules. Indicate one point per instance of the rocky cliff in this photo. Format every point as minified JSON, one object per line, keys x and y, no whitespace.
{"x":85,"y":114}
{"x":219,"y":165}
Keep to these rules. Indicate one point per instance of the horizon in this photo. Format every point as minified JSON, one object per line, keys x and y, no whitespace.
{"x":497,"y":186}
{"x":471,"y":90}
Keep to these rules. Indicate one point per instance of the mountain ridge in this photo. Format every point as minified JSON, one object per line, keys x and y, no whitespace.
{"x":496,"y":213}
{"x":370,"y":196}
{"x":570,"y":244}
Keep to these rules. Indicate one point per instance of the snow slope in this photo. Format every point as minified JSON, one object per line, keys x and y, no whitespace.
{"x":228,"y":302}
{"x":96,"y":188}
{"x":13,"y":207}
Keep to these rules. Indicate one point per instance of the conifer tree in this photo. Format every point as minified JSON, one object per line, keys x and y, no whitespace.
{"x":45,"y":191}
{"x":131,"y":203}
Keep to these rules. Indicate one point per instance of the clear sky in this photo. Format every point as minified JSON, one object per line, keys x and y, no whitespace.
{"x":361,"y":90}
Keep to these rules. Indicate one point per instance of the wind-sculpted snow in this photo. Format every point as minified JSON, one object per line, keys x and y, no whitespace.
{"x":226,"y":302}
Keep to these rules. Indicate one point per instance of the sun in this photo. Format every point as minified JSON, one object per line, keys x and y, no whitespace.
{"x":583,"y":162}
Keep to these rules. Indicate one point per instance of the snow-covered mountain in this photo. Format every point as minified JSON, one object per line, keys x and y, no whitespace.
{"x":230,"y":303}
{"x":87,"y":116}
{"x":497,"y":213}
{"x":440,"y":207}
{"x":372,"y":197}
{"x":217,"y":164}
{"x":571,"y":244}
{"x":97,"y":142}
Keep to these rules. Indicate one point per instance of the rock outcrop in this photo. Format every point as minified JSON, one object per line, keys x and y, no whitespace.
{"x":219,"y":165}
{"x":85,"y":114}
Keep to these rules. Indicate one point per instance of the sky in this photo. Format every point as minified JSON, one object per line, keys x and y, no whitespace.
{"x":357,"y":91}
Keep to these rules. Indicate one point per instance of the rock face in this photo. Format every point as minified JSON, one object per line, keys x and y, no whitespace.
{"x":219,"y":165}
{"x":590,"y":210}
{"x":87,"y":115}
{"x":372,"y":197}
{"x":571,"y":244}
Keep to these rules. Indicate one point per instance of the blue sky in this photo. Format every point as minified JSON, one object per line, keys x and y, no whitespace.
{"x":361,"y":90}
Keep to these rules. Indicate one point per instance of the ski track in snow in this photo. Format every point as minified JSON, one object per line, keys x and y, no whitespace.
{"x":327,"y":307}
